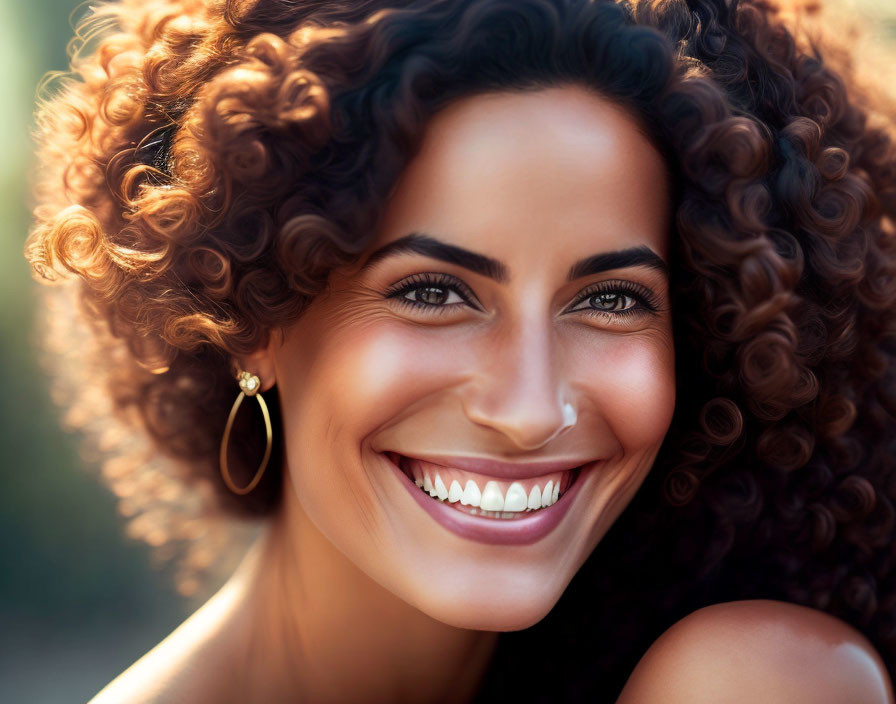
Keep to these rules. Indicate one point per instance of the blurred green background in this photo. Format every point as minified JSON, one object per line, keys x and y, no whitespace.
{"x":79,"y":601}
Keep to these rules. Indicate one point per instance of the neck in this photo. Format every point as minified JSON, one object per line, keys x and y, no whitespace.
{"x":321,"y":629}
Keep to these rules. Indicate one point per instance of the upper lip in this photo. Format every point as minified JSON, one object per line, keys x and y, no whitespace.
{"x":500,"y":468}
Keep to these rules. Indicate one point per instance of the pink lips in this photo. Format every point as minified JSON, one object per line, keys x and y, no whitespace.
{"x":517,"y":531}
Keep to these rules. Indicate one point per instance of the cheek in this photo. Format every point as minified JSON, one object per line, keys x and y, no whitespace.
{"x":634,"y":389}
{"x":644,"y":398}
{"x":375,"y":374}
{"x":341,"y":388}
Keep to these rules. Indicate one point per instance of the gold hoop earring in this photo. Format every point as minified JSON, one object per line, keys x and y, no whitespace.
{"x":249,"y":386}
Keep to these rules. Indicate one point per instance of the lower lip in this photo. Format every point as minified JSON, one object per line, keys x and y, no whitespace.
{"x":496,"y":531}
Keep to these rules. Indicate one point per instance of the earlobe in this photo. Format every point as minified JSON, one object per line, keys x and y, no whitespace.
{"x":261,"y":364}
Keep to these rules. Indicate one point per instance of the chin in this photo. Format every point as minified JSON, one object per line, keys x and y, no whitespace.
{"x":514,"y":610}
{"x":509,"y":617}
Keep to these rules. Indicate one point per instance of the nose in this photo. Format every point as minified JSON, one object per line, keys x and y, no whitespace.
{"x":519,"y":389}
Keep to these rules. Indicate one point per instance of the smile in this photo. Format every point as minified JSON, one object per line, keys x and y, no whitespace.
{"x":481,"y":495}
{"x":516,"y":505}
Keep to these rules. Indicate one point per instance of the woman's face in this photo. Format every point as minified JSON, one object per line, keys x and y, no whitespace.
{"x":513,"y":310}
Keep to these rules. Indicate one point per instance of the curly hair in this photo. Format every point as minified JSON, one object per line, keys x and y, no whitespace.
{"x":210,"y":163}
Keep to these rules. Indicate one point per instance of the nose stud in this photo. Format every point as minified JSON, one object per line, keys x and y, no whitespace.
{"x":569,"y":416}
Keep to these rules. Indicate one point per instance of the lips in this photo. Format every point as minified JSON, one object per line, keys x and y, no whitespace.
{"x":499,"y":528}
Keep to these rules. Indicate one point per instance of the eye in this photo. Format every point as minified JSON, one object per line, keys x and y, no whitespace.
{"x":432,"y":291}
{"x":432,"y":295}
{"x":622,"y":298}
{"x":611,"y":301}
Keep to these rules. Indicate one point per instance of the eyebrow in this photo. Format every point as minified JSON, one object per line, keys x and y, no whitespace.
{"x":621,"y":259}
{"x":426,"y":245}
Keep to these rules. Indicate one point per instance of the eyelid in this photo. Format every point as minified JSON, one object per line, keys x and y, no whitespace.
{"x":647,"y":300}
{"x":437,"y":279}
{"x":645,"y":297}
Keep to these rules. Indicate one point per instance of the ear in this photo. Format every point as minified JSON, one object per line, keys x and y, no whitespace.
{"x":261,"y":364}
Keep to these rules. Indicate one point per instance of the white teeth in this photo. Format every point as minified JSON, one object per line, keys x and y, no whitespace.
{"x":441,"y":489}
{"x":472,"y":496}
{"x":516,"y":498}
{"x":492,"y":499}
{"x":455,"y":493}
{"x":534,"y":498}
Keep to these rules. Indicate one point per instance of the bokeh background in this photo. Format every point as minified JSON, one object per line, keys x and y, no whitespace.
{"x":79,"y":601}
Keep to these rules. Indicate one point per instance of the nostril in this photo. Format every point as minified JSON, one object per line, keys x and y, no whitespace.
{"x":530,"y":423}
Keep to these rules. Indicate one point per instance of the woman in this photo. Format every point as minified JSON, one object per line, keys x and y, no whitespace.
{"x":491,"y":273}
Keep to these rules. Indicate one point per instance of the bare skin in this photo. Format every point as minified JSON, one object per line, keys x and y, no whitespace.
{"x":290,"y":627}
{"x":759,"y":651}
{"x":357,"y":594}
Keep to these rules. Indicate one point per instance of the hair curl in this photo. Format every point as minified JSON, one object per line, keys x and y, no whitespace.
{"x":211,"y":162}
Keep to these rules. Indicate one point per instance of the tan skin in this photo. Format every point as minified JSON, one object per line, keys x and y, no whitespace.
{"x":759,"y":651}
{"x":358,"y":595}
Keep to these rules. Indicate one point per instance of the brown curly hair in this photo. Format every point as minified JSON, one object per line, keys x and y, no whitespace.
{"x":210,"y":162}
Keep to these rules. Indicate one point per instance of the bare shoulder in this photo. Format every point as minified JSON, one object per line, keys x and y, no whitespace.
{"x":760,"y":650}
{"x":185,"y":667}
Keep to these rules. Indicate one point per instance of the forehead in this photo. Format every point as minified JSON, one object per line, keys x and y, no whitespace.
{"x":555,"y":173}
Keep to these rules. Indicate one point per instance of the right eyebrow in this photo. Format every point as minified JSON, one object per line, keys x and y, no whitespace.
{"x":426,"y":245}
{"x":419,"y":243}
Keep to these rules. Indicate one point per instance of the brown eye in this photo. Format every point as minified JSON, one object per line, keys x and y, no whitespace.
{"x":611,"y":301}
{"x":433,"y":292}
{"x":431,"y":295}
{"x":616,"y":299}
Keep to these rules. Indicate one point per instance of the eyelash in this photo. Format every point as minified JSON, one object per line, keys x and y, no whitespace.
{"x":418,"y":281}
{"x":646,"y":301}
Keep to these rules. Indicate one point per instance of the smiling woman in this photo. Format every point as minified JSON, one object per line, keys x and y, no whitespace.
{"x":470,"y":359}
{"x":565,"y":318}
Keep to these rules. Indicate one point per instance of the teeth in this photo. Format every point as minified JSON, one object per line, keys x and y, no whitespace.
{"x":471,"y":496}
{"x":455,"y":493}
{"x":492,"y":499}
{"x":547,"y":494}
{"x":441,"y":489}
{"x":516,"y":498}
{"x":534,"y":498}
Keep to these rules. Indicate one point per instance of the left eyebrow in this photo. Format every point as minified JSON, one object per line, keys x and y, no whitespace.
{"x":419,"y":243}
{"x":622,"y":259}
